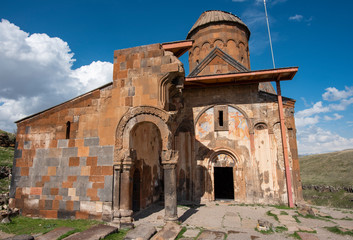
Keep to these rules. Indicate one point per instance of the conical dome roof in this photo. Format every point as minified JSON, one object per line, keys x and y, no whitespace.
{"x":214,"y":16}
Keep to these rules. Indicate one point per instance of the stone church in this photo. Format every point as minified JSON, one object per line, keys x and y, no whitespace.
{"x":154,"y":134}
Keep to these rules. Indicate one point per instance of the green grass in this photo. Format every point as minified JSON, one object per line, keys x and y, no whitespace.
{"x":180,"y":235}
{"x":269,"y":213}
{"x":280,"y":229}
{"x":340,"y":199}
{"x":334,"y":169}
{"x":270,"y":231}
{"x":117,"y":236}
{"x":6,"y":156}
{"x":25,"y":225}
{"x":336,"y":230}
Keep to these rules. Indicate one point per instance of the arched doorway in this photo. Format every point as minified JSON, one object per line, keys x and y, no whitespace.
{"x":145,"y":140}
{"x":223,"y":165}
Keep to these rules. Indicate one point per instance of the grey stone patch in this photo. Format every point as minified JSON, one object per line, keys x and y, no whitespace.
{"x":143,"y":232}
{"x":62,"y":205}
{"x":42,"y":153}
{"x":63,"y":143}
{"x":21,"y":237}
{"x":70,"y":152}
{"x":18,"y":153}
{"x":211,"y":235}
{"x":28,"y":129}
{"x":24,"y":182}
{"x":63,"y":191}
{"x":81,"y":186}
{"x":76,"y":118}
{"x":123,"y":66}
{"x":240,"y":235}
{"x":131,"y":92}
{"x":53,"y":162}
{"x":106,"y":192}
{"x":169,"y":231}
{"x":27,"y":145}
{"x":191,"y":233}
{"x":94,"y":141}
{"x":96,"y":232}
{"x":54,"y":234}
{"x":105,"y":156}
{"x":46,"y":191}
{"x":83,"y":161}
{"x":76,"y":206}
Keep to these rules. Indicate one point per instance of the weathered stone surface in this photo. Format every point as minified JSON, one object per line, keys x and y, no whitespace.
{"x":191,"y":233}
{"x":169,"y":231}
{"x":211,"y":235}
{"x":94,"y":233}
{"x":54,"y":234}
{"x":21,"y":237}
{"x":307,"y":236}
{"x":141,"y":232}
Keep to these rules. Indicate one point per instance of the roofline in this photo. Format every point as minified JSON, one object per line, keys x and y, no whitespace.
{"x":178,"y":47}
{"x":267,"y":75}
{"x":75,"y":98}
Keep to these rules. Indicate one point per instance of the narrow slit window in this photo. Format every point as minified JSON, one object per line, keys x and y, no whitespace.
{"x":220,"y":118}
{"x":68,"y":125}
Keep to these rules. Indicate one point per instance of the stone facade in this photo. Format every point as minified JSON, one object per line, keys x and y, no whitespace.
{"x":155,"y":135}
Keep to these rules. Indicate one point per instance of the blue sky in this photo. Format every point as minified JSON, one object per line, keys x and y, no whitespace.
{"x":51,"y":51}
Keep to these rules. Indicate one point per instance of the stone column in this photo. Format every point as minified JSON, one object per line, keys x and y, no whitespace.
{"x":125,"y":201}
{"x":116,"y":192}
{"x":169,"y":161}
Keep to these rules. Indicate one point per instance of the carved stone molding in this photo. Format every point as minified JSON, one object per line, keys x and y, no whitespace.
{"x":170,"y":157}
{"x":135,"y":112}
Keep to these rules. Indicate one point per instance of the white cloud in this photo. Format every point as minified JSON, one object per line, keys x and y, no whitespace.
{"x":342,"y":105}
{"x":296,"y":17}
{"x":315,"y":109}
{"x":336,"y":116}
{"x":333,"y":94}
{"x":313,"y":140}
{"x":304,"y":121}
{"x":36,"y":73}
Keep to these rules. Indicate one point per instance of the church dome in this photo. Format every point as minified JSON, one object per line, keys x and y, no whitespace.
{"x":216,"y":16}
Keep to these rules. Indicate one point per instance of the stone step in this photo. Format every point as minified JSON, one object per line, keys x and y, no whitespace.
{"x":141,"y":232}
{"x":94,"y":233}
{"x":54,"y":234}
{"x":169,"y":232}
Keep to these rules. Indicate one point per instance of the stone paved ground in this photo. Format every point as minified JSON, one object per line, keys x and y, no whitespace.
{"x":239,"y":222}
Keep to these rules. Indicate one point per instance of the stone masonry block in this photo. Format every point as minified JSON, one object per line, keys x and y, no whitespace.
{"x":70,"y":152}
{"x":63,"y":143}
{"x":18,"y":153}
{"x":105,"y":194}
{"x":94,"y":141}
{"x":171,"y":67}
{"x":27,"y":145}
{"x":54,"y":162}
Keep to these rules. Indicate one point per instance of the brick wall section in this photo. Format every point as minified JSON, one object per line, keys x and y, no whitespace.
{"x":55,"y":177}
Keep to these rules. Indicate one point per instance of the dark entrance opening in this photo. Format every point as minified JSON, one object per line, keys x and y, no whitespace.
{"x":223,"y":183}
{"x":136,"y":191}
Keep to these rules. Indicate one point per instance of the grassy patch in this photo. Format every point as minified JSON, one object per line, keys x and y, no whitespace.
{"x":280,"y":229}
{"x":280,"y":207}
{"x":6,"y":156}
{"x":283,"y":213}
{"x":269,"y":213}
{"x":340,"y":199}
{"x":334,"y":169}
{"x":327,"y":219}
{"x":296,"y":218}
{"x":117,"y":236}
{"x":180,"y":235}
{"x":337,"y":230}
{"x":25,"y":225}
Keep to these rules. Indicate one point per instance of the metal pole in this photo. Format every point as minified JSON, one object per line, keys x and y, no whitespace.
{"x":284,"y":145}
{"x":269,"y":35}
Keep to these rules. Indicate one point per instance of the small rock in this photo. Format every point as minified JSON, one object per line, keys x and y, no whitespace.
{"x":264,"y":225}
{"x":21,"y":237}
{"x":6,"y":220}
{"x":306,"y":210}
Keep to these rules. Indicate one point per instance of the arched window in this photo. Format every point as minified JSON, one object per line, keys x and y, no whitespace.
{"x":68,"y":125}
